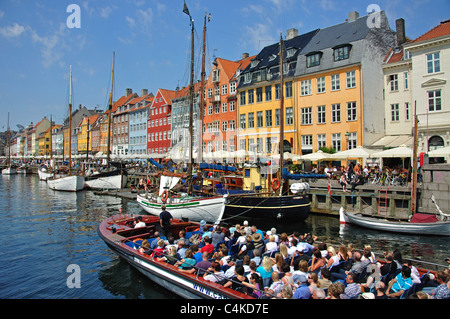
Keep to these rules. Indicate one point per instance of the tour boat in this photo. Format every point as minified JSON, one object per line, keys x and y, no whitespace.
{"x":118,"y":233}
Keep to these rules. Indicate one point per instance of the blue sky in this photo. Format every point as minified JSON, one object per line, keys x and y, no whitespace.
{"x":151,"y":41}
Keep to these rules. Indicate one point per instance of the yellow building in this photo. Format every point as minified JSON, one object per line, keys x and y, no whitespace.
{"x":330,"y":110}
{"x":84,"y":134}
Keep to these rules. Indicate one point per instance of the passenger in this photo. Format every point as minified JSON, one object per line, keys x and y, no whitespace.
{"x":140,"y":223}
{"x":257,"y":257}
{"x":442,"y":291}
{"x":217,"y":236}
{"x":271,"y":246}
{"x":275,"y":287}
{"x":196,"y":253}
{"x":209,"y":248}
{"x":258,"y":242}
{"x":313,"y":282}
{"x":278,"y":262}
{"x":333,"y":258}
{"x":400,"y":284}
{"x":301,"y":271}
{"x":245,"y":248}
{"x":160,"y":250}
{"x":303,"y":291}
{"x":380,"y":290}
{"x":236,"y":282}
{"x":200,"y":267}
{"x":214,"y":273}
{"x":265,"y":270}
{"x":352,"y":291}
{"x":389,"y":269}
{"x":181,"y":248}
{"x":319,"y":294}
{"x":145,"y":246}
{"x":181,"y":236}
{"x":286,"y":292}
{"x":252,"y":268}
{"x":318,"y":262}
{"x":324,"y":281}
{"x":172,"y":257}
{"x":255,"y":284}
{"x":335,"y":290}
{"x":188,"y":262}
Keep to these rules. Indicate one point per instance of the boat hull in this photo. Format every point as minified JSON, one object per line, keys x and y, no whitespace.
{"x":210,"y":209}
{"x":73,"y":183}
{"x":114,"y":180}
{"x":9,"y":171}
{"x":431,"y":229}
{"x":44,"y":175}
{"x":271,"y":207}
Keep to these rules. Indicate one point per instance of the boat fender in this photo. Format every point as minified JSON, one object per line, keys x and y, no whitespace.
{"x":275,"y":184}
{"x":164,"y":196}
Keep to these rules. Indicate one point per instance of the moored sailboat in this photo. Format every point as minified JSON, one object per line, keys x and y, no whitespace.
{"x":109,"y":179}
{"x":70,"y":183}
{"x":9,"y":170}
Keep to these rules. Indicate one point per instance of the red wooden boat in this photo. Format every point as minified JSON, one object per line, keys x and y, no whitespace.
{"x":118,"y":233}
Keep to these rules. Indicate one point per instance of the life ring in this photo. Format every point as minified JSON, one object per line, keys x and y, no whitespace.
{"x":164,"y":196}
{"x":275,"y":184}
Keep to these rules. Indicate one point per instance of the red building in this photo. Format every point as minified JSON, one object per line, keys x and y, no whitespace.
{"x":159,"y":122}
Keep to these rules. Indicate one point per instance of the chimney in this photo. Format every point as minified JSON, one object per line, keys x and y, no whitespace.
{"x":291,"y":33}
{"x":144,"y":92}
{"x":401,"y":34}
{"x":128,"y":92}
{"x":245,"y":55}
{"x":353,"y":16}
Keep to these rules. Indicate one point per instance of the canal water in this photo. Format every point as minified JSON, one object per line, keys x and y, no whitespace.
{"x":48,"y":234}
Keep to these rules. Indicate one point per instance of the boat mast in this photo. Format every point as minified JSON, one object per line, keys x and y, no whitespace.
{"x":201,"y":95}
{"x":70,"y":120}
{"x":414,"y":179}
{"x":8,"y":140}
{"x":51,"y":139}
{"x":191,"y":108}
{"x":108,"y":150}
{"x":281,"y":143}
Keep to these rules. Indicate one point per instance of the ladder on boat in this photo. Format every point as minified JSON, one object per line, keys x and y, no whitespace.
{"x":382,"y":201}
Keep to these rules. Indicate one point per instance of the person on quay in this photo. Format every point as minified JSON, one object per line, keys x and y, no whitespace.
{"x":165,"y":219}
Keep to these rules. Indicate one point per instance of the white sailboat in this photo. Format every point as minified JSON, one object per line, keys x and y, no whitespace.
{"x":9,"y":170}
{"x":114,"y":179}
{"x":186,"y":205}
{"x":70,"y":183}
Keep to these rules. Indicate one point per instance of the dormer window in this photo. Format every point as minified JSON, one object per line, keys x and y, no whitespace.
{"x":254,"y":63}
{"x":341,"y":52}
{"x":272,"y":57}
{"x":313,"y":59}
{"x":291,"y":52}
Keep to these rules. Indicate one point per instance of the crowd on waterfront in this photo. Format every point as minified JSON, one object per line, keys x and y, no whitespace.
{"x":297,"y":266}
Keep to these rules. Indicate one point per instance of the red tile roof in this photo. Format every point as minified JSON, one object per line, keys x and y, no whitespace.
{"x":438,"y":31}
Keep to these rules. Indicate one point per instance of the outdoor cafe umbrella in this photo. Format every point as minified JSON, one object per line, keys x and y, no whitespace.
{"x":440,"y":152}
{"x":317,"y":157}
{"x":358,"y":152}
{"x":399,"y":152}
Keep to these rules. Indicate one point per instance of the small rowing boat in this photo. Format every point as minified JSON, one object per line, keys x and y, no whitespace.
{"x":420,"y":224}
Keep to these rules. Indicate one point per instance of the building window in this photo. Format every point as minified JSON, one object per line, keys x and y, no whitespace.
{"x":243,"y":98}
{"x":224,"y":89}
{"x":224,"y":126}
{"x":335,"y":113}
{"x":233,"y":88}
{"x":321,"y":114}
{"x":251,"y":97}
{"x":351,"y":111}
{"x":406,"y":80}
{"x":259,"y":95}
{"x":242,"y":144}
{"x":306,"y":116}
{"x":395,"y":113}
{"x":259,"y":119}
{"x":321,"y":85}
{"x":288,"y":89}
{"x":242,"y":121}
{"x":251,"y":120}
{"x":313,"y":60}
{"x":393,"y":79}
{"x":433,"y":62}
{"x":305,"y":87}
{"x":268,"y":118}
{"x":277,"y":117}
{"x":434,"y":100}
{"x":232,"y":125}
{"x":321,"y":141}
{"x":351,"y":79}
{"x":268,"y":145}
{"x":341,"y":53}
{"x":335,"y":82}
{"x":351,"y":141}
{"x":307,"y":142}
{"x":232,"y":106}
{"x":224,"y":107}
{"x":407,"y":111}
{"x":336,"y":141}
{"x":216,"y":108}
{"x":289,"y":116}
{"x":268,"y":90}
{"x":277,"y":92}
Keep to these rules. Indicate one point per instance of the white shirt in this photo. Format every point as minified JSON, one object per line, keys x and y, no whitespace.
{"x":140,"y":224}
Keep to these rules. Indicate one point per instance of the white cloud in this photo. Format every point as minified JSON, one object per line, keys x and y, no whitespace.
{"x":131,"y":22}
{"x":105,"y":12}
{"x":260,"y":34}
{"x":2,"y":13}
{"x":12,"y":31}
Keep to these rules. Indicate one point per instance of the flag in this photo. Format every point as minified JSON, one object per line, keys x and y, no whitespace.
{"x":185,"y":9}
